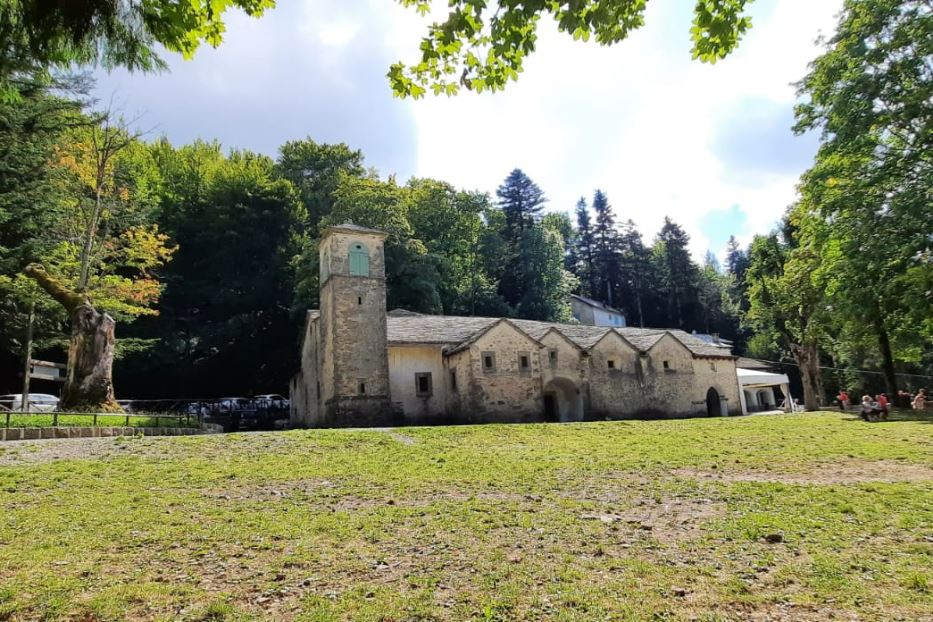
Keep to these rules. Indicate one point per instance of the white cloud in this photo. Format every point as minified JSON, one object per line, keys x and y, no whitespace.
{"x":637,"y":120}
{"x":640,"y":120}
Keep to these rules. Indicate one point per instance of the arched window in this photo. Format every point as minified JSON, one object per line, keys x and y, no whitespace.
{"x":359,"y":260}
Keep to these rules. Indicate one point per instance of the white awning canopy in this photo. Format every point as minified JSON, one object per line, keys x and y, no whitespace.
{"x":758,"y":378}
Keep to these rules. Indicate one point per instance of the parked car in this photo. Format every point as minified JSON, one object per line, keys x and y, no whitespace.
{"x":37,"y":402}
{"x":241,"y":405}
{"x":198,"y":408}
{"x":231,"y":411}
{"x":272,"y":401}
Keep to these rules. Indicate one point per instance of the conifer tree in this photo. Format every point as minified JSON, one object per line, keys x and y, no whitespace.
{"x":585,"y":269}
{"x":606,"y":249}
{"x":679,"y":275}
{"x":522,"y":201}
{"x":635,"y":269}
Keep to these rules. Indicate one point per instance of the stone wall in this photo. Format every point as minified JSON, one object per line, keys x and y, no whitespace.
{"x":505,"y":393}
{"x":26,"y":434}
{"x":461,"y":365}
{"x":617,"y":390}
{"x":305,"y":389}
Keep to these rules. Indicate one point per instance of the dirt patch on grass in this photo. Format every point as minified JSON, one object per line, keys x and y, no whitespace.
{"x":49,"y":450}
{"x":844,"y":472}
{"x":13,"y":453}
{"x":669,"y":520}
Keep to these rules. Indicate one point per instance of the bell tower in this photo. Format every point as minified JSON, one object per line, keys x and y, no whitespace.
{"x":355,"y":364}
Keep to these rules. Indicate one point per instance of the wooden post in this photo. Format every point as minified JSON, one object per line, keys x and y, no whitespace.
{"x":55,"y":419}
{"x":24,"y":398}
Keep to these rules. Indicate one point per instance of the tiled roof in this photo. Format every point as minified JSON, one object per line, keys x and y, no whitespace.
{"x":442,"y":329}
{"x":405,"y":327}
{"x":349,"y":226}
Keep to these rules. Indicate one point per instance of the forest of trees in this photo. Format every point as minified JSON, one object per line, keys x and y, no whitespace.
{"x":203,"y":260}
{"x":207,"y":259}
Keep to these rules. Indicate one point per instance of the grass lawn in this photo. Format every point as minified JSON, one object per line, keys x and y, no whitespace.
{"x":791,"y":517}
{"x":46,"y":420}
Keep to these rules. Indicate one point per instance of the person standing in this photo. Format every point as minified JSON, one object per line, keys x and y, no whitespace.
{"x":843,"y":398}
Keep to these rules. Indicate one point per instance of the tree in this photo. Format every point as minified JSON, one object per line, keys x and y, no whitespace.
{"x":451,"y":225}
{"x":786,"y":292}
{"x":605,"y":250}
{"x":736,"y":259}
{"x":105,"y":253}
{"x":522,"y":202}
{"x":679,"y":275}
{"x":866,"y":199}
{"x":481,"y":48}
{"x":547,"y":285}
{"x":225,"y":323}
{"x":637,"y":275}
{"x":586,"y":250}
{"x":39,"y":35}
{"x":315,"y":169}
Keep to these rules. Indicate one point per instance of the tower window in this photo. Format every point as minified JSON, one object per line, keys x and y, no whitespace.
{"x":524,"y":361}
{"x":362,"y":388}
{"x":453,"y":379}
{"x":611,"y":363}
{"x":489,"y":361}
{"x":359,"y":300}
{"x":667,"y":364}
{"x":423,"y":384}
{"x":552,"y":357}
{"x":359,"y":260}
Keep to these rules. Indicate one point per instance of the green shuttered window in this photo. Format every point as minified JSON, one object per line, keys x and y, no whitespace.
{"x":359,"y":260}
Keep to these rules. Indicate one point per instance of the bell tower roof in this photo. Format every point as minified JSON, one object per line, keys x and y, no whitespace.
{"x":349,"y":227}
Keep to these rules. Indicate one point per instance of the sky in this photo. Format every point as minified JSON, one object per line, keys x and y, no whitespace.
{"x":711,"y":146}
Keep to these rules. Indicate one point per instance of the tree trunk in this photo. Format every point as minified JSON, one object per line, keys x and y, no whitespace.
{"x":887,"y":359}
{"x":808,"y":362}
{"x":89,"y":381}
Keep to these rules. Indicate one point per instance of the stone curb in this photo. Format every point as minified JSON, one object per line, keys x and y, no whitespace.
{"x":28,"y":434}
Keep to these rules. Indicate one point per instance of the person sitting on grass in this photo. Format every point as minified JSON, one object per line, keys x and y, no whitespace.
{"x":882,"y":405}
{"x":869,"y":410}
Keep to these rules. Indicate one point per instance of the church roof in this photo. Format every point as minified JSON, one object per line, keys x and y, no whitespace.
{"x":350,"y":227}
{"x":406,"y":327}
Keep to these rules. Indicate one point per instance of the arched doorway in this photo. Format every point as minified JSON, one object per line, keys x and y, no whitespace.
{"x":713,"y":408}
{"x":562,"y":401}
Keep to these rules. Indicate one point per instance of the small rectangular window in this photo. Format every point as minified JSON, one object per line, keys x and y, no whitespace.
{"x":489,"y":361}
{"x":667,"y":364}
{"x":362,"y":388}
{"x":423,"y":384}
{"x":453,"y":379}
{"x":611,"y":363}
{"x":523,"y":362}
{"x":359,"y":300}
{"x":552,"y":357}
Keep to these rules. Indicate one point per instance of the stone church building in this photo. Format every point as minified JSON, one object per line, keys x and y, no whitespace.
{"x":364,"y":366}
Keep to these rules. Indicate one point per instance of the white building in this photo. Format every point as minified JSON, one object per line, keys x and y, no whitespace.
{"x":594,"y":313}
{"x":757,"y":390}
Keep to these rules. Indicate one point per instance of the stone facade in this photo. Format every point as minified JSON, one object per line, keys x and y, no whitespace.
{"x":362,"y":366}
